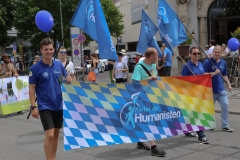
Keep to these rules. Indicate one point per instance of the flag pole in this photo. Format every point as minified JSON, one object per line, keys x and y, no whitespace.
{"x":177,"y":53}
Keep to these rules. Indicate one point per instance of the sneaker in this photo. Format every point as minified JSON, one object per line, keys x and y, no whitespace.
{"x":204,"y":141}
{"x":158,"y":153}
{"x":141,"y":145}
{"x":227,"y":129}
{"x":191,"y":134}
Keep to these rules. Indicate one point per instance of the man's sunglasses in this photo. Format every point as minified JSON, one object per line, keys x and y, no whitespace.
{"x":6,"y":58}
{"x":198,"y":53}
{"x":63,"y":52}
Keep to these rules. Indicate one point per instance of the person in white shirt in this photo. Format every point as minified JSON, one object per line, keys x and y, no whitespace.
{"x":68,"y":65}
{"x":142,"y":58}
{"x":212,"y":44}
{"x":206,"y":50}
{"x":119,"y":69}
{"x":125,"y":59}
{"x":225,"y":50}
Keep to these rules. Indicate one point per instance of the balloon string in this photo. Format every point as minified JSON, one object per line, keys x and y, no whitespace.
{"x":48,"y":37}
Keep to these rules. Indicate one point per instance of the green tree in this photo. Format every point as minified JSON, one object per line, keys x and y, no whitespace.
{"x":113,"y":17}
{"x":6,"y":21}
{"x":24,"y":19}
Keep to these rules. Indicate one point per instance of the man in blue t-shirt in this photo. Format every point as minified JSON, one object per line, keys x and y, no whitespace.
{"x":195,"y":67}
{"x":219,"y":92}
{"x":151,"y":57}
{"x":45,"y":79}
{"x":167,"y":60}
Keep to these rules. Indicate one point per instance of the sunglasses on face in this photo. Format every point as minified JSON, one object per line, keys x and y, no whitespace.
{"x":6,"y":58}
{"x":63,"y":52}
{"x":198,"y":53}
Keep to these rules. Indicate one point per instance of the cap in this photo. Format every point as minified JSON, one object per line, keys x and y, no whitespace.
{"x":207,"y":46}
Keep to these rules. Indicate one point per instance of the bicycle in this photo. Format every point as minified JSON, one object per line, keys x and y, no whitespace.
{"x":233,"y":71}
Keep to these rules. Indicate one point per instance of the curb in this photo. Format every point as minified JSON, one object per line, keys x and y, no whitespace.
{"x":229,"y":112}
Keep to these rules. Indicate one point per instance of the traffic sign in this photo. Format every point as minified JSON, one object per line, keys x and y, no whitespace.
{"x":76,"y":52}
{"x":81,"y":38}
{"x":75,"y":42}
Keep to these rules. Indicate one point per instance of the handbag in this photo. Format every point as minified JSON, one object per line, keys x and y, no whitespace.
{"x":91,"y":76}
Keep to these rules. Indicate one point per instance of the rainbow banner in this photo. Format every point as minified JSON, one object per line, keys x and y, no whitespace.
{"x":108,"y":114}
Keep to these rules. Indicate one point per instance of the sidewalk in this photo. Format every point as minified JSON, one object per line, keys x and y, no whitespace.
{"x":233,"y":99}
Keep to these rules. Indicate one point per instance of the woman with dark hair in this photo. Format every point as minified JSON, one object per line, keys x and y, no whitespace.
{"x":94,"y":65}
{"x":119,"y":69}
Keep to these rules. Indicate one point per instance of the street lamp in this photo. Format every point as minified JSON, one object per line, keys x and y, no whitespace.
{"x":60,"y":3}
{"x":130,"y":1}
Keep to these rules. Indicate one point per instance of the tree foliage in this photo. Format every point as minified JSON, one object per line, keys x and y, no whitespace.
{"x":24,"y":19}
{"x":6,"y":21}
{"x":113,"y":17}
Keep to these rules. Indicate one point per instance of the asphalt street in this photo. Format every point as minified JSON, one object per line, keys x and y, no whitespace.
{"x":22,"y":139}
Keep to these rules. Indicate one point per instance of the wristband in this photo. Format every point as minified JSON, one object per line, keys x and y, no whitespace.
{"x":32,"y":107}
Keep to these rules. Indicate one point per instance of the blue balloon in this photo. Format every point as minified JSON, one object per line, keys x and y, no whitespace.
{"x":233,"y":44}
{"x":44,"y":21}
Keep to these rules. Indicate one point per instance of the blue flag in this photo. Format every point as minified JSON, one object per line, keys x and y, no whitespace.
{"x":89,"y":17}
{"x":167,"y":44}
{"x":153,"y":43}
{"x":147,"y":33}
{"x":170,"y":25}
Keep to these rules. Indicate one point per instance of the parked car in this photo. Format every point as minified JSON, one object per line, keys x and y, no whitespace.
{"x":104,"y":63}
{"x":131,"y":60}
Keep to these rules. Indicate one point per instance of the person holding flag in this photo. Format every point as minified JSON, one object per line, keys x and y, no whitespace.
{"x":167,"y":60}
{"x":194,"y":67}
{"x":219,"y":92}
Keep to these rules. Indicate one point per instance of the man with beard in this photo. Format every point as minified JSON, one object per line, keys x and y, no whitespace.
{"x":7,"y":69}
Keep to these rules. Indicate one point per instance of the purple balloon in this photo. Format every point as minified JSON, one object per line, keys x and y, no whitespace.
{"x":233,"y":44}
{"x":44,"y":21}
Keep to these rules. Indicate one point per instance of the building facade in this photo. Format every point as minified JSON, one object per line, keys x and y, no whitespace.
{"x":208,"y":19}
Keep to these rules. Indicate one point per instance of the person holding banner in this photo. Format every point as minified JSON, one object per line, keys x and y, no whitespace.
{"x":219,"y":92}
{"x":197,"y":69}
{"x":144,"y":70}
{"x":45,"y":80}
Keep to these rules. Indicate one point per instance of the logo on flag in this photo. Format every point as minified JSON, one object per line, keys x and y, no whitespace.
{"x":161,"y":11}
{"x":147,"y":27}
{"x":128,"y":110}
{"x":90,"y":11}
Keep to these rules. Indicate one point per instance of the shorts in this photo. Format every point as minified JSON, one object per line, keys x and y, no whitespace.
{"x":51,"y":119}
